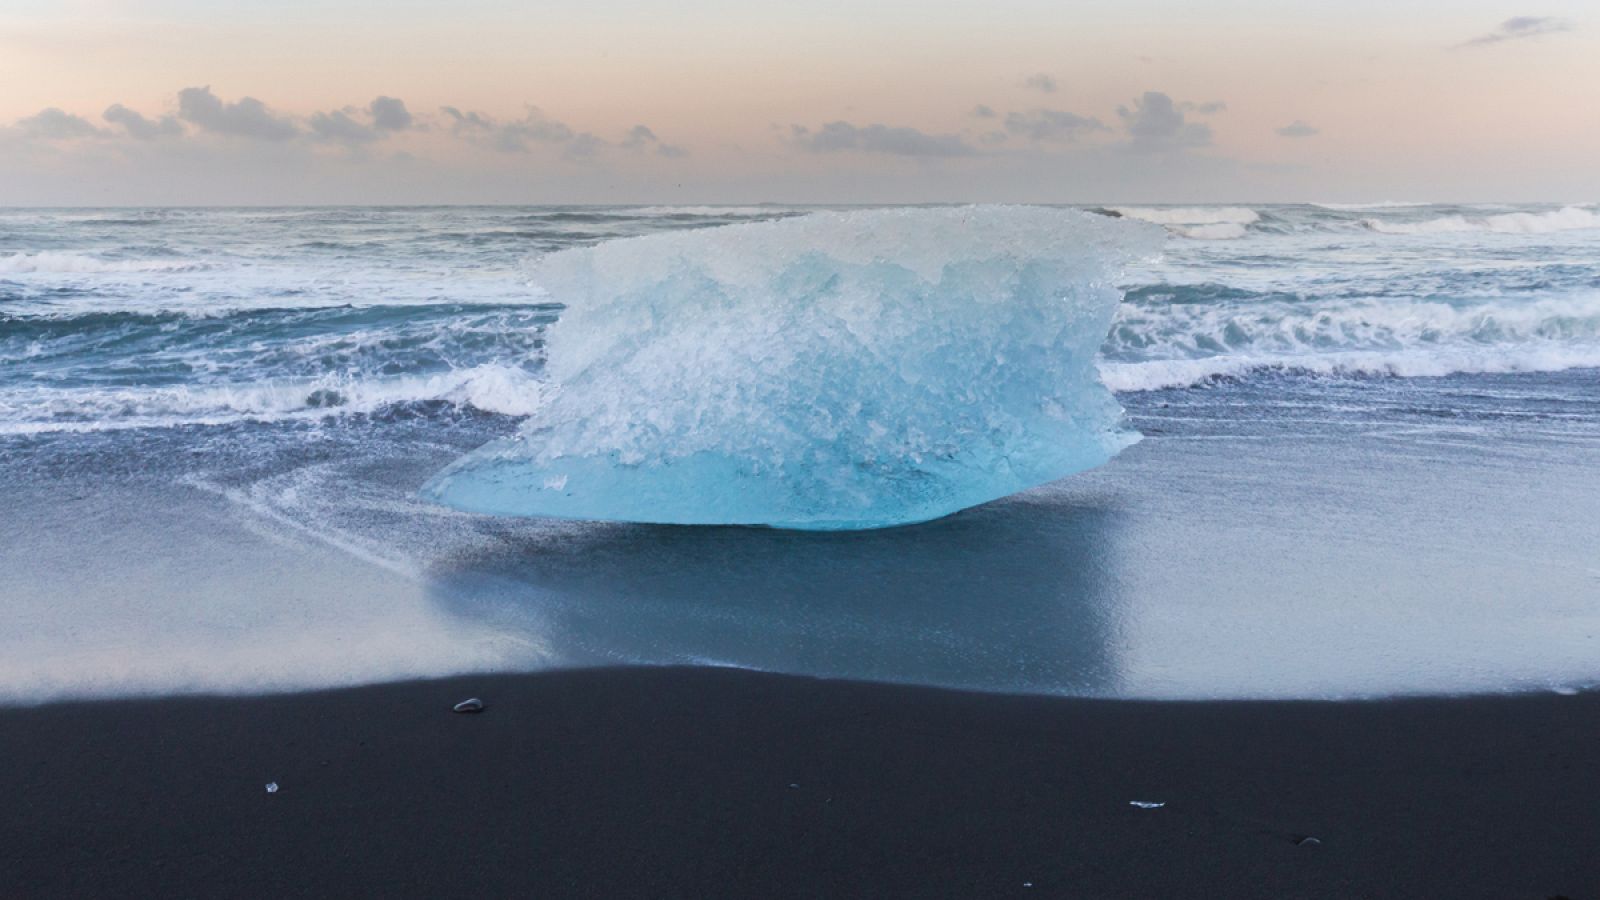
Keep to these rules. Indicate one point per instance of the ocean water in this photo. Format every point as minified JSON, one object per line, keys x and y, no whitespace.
{"x":1370,"y":465}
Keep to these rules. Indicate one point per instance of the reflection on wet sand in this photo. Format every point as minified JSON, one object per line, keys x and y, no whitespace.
{"x":1015,"y":595}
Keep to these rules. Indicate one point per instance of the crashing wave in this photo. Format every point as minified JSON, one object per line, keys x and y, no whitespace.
{"x":1215,"y":231}
{"x":1190,"y":215}
{"x":834,"y":371}
{"x":1199,"y":223}
{"x":56,"y":262}
{"x":718,"y":212}
{"x":1177,"y":335}
{"x":1417,"y":362}
{"x":1569,"y":218}
{"x":1376,"y":204}
{"x":498,"y":389}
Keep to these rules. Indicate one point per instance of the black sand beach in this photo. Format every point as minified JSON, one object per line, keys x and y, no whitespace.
{"x":715,"y":782}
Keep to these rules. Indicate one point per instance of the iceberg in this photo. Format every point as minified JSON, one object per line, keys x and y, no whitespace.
{"x":839,"y":370}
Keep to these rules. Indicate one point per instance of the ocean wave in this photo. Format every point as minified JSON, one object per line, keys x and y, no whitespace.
{"x":491,"y":388}
{"x":58,"y":262}
{"x":1190,"y":215}
{"x":1215,"y":231}
{"x":1167,"y":336}
{"x":1569,"y":218}
{"x":1163,"y":374}
{"x":1379,"y":204}
{"x":717,"y":212}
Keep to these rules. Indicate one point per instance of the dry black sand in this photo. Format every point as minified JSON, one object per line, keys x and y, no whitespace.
{"x":710,"y":783}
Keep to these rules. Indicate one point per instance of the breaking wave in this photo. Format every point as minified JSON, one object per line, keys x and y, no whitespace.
{"x":1163,"y":374}
{"x":1569,"y":218}
{"x":1167,"y":336}
{"x":1190,"y":215}
{"x":210,"y":317}
{"x":50,"y":261}
{"x":497,"y":389}
{"x":1379,"y":204}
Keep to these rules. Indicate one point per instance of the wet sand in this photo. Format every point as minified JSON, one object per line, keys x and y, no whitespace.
{"x":680,"y":782}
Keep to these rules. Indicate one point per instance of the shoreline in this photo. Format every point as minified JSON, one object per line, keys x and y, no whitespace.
{"x":727,"y":782}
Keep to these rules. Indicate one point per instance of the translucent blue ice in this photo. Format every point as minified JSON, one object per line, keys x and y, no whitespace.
{"x":838,"y":370}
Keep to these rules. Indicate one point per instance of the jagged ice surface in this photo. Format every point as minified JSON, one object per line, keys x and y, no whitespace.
{"x":834,"y":371}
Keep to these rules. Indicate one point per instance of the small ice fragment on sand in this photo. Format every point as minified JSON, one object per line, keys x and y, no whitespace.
{"x":1147,"y":804}
{"x":470,"y":705}
{"x":272,"y":787}
{"x":1306,"y":840}
{"x":1565,"y":690}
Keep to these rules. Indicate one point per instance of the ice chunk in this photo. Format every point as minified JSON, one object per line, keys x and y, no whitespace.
{"x":838,"y":370}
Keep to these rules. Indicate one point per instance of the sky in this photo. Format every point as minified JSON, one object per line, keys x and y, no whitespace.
{"x":106,"y":102}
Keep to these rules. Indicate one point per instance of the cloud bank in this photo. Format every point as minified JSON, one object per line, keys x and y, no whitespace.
{"x":893,"y":140}
{"x":246,"y":118}
{"x":1518,"y":28}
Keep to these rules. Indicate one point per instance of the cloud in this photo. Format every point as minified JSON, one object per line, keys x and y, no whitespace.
{"x":139,"y":127}
{"x":583,"y":147}
{"x":1208,"y":108}
{"x":381,"y":118}
{"x":1519,"y":28}
{"x":340,"y":127}
{"x":982,"y":112}
{"x":892,"y":140}
{"x":1299,"y":129}
{"x":1155,"y":122}
{"x":390,"y":114}
{"x":518,"y":135}
{"x":54,"y":124}
{"x":1040,"y":82}
{"x":462,"y":123}
{"x":245,"y":118}
{"x":536,"y":129}
{"x":1051,"y":125}
{"x":639,"y":137}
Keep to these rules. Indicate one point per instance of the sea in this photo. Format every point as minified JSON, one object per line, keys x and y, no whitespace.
{"x":1370,"y":466}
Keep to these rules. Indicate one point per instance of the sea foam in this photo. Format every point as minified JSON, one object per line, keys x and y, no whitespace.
{"x":1200,"y":223}
{"x":839,"y":370}
{"x":1568,"y":218}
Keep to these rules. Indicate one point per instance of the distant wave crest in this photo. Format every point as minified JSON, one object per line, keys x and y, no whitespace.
{"x":1190,"y":215}
{"x":48,"y":261}
{"x":491,"y":388}
{"x":1568,"y":218}
{"x":1153,"y":375}
{"x":1170,"y":336}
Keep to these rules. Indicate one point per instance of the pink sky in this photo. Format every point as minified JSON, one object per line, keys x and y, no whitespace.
{"x":817,"y":102}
